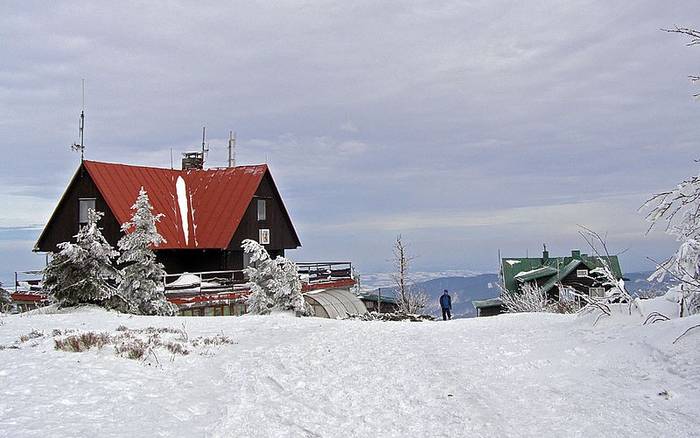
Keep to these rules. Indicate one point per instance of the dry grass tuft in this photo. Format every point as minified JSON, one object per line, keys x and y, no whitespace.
{"x":82,"y":342}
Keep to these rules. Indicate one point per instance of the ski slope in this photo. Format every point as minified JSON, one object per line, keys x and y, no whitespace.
{"x":511,"y":375}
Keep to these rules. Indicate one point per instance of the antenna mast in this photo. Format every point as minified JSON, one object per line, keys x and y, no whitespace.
{"x":231,"y":149}
{"x":81,"y":128}
{"x":205,"y":149}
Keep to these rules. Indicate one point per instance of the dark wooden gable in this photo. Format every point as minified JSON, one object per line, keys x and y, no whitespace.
{"x":63,"y":224}
{"x":282,"y":233}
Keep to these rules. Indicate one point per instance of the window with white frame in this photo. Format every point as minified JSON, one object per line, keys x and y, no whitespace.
{"x":85,"y":205}
{"x":264,"y":236}
{"x":582,"y":273}
{"x":262,"y":210}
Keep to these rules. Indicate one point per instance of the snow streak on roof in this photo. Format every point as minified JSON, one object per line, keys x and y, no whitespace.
{"x":204,"y":213}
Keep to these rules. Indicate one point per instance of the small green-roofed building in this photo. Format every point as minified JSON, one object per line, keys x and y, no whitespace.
{"x":379,"y":303}
{"x":488,"y":307}
{"x":548,"y":273}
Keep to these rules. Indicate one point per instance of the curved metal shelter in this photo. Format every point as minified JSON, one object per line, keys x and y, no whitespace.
{"x":335,"y":303}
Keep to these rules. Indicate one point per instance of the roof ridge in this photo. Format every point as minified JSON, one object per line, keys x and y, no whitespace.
{"x":217,"y":169}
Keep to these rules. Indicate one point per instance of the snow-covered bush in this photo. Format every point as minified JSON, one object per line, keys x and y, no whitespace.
{"x":274,"y":284}
{"x":679,"y":208}
{"x":530,"y":298}
{"x":141,"y":275}
{"x":82,"y":272}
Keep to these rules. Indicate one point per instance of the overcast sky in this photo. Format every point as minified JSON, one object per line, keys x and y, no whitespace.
{"x":467,"y":126}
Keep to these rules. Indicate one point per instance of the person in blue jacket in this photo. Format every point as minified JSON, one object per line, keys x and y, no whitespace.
{"x":446,"y":305}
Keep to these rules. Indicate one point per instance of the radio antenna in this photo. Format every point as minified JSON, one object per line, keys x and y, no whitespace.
{"x":231,"y":149}
{"x":205,"y":148}
{"x":81,"y":128}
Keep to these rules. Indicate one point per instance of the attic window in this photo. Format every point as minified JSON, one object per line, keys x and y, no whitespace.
{"x":264,"y":236}
{"x":262,"y":210}
{"x":582,"y":273}
{"x":85,"y":205}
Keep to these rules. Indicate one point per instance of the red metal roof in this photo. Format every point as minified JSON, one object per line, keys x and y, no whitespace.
{"x":330,"y":284}
{"x":216,"y":199}
{"x":27,"y":297}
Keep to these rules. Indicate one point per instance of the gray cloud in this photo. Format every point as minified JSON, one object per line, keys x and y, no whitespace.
{"x":468,"y":126}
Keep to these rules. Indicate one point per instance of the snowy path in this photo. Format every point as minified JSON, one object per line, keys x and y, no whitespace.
{"x":513,"y":375}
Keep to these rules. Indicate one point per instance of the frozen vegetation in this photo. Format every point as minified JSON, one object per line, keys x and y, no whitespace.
{"x":276,"y":375}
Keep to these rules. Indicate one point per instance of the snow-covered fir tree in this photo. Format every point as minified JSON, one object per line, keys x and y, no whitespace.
{"x":82,"y":272}
{"x":5,"y":299}
{"x":680,"y":210}
{"x":274,"y":283}
{"x":141,"y":275}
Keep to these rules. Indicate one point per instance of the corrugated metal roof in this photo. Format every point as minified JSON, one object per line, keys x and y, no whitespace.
{"x":535,"y":273}
{"x":568,"y":269}
{"x":215,"y":200}
{"x":338,"y":303}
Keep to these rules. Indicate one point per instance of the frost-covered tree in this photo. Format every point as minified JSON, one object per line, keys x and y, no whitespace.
{"x":141,"y":275}
{"x":5,"y":299}
{"x":408,"y":299}
{"x":679,"y":209}
{"x":529,"y":298}
{"x":82,"y":272}
{"x":694,"y":36}
{"x":274,"y":283}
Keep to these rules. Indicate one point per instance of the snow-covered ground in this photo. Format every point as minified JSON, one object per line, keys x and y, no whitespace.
{"x":511,"y":375}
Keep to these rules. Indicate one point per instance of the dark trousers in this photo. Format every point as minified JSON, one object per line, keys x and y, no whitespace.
{"x":446,"y":314}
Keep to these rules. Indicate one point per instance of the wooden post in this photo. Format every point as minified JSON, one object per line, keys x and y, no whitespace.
{"x":379,"y":301}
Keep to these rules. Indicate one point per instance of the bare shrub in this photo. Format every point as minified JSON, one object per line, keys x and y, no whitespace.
{"x":82,"y":342}
{"x":219,"y":339}
{"x":132,"y":348}
{"x":176,"y":348}
{"x":139,"y":344}
{"x":34,"y":334}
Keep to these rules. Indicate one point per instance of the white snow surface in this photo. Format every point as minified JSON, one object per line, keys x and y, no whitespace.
{"x":506,"y":376}
{"x":181,"y":189}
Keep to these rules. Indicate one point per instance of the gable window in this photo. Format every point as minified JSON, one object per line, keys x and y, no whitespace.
{"x":264,"y":236}
{"x":262,"y":210}
{"x":85,"y":205}
{"x":582,"y":273}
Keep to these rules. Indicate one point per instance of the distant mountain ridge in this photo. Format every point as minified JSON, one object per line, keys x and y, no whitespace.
{"x":467,"y":288}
